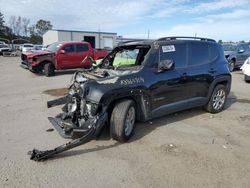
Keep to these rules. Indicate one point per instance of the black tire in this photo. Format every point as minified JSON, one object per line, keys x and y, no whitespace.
{"x":217,"y":100}
{"x":122,"y":121}
{"x":231,"y":65}
{"x":49,"y":70}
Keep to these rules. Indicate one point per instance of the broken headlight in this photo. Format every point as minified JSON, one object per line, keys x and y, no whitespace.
{"x":72,"y":91}
{"x":72,"y":106}
{"x":92,"y":108}
{"x":78,"y":77}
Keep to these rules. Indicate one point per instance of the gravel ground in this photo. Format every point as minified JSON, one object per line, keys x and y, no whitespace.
{"x":187,"y":149}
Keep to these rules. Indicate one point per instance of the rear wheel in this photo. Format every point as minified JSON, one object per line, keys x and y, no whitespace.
{"x":122,"y":121}
{"x":49,"y":70}
{"x":217,"y":100}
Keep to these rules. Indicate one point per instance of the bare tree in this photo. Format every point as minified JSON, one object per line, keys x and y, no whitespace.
{"x":15,"y":23}
{"x":25,"y":25}
{"x":18,"y":25}
{"x":12,"y":24}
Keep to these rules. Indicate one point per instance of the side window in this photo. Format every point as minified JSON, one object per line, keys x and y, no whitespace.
{"x":198,"y":53}
{"x":69,"y":48}
{"x":81,"y":48}
{"x":240,"y":48}
{"x":175,"y":52}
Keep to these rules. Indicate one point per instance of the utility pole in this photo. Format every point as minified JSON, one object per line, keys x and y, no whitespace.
{"x":99,"y":33}
{"x":148,"y":33}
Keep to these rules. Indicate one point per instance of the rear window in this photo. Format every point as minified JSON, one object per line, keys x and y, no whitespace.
{"x":214,"y":51}
{"x":198,"y":53}
{"x":175,"y":52}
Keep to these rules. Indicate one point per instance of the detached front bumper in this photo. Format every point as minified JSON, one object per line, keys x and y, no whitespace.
{"x":71,"y":131}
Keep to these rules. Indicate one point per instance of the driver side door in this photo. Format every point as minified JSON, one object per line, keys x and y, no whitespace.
{"x":67,"y":59}
{"x":169,"y":89}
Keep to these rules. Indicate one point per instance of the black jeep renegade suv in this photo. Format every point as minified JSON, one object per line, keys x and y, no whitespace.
{"x":141,"y":80}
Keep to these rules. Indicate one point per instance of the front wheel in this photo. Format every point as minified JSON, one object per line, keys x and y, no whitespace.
{"x":122,"y":121}
{"x":231,"y":65}
{"x":49,"y":70}
{"x":217,"y":100}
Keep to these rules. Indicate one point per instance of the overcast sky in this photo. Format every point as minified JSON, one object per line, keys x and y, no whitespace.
{"x":221,"y":19}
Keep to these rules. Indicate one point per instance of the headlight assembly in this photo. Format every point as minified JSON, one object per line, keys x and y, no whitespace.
{"x":72,"y":106}
{"x":92,"y":108}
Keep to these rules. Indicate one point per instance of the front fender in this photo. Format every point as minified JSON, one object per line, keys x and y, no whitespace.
{"x":107,"y":99}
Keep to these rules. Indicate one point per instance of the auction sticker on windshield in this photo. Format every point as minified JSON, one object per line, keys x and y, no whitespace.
{"x":168,"y":48}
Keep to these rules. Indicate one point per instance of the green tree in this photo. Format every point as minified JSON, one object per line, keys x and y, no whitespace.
{"x":220,"y":41}
{"x":42,"y":26}
{"x":2,"y":24}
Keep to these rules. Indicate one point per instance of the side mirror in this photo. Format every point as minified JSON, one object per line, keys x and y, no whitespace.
{"x":166,"y":65}
{"x":62,"y":52}
{"x":241,"y":51}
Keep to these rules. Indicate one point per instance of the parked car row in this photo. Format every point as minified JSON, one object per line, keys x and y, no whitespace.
{"x":236,"y":54}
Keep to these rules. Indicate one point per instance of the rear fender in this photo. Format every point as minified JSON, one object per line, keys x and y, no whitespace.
{"x":224,"y":80}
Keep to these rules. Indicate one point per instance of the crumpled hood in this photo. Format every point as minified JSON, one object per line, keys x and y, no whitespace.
{"x":31,"y":54}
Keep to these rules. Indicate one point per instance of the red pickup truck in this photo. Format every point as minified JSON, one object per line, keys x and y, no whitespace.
{"x":61,"y":55}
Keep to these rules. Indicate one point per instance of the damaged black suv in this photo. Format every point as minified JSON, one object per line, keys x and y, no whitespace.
{"x":141,"y":80}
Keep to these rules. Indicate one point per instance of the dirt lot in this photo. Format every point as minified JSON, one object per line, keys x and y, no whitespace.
{"x":187,"y":149}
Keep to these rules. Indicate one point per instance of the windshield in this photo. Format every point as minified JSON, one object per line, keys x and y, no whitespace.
{"x":28,"y":46}
{"x":3,"y":46}
{"x":229,"y":47}
{"x":127,"y":56}
{"x":53,"y":47}
{"x":37,"y":47}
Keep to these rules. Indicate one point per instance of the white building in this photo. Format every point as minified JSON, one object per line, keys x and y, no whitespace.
{"x":96,"y":39}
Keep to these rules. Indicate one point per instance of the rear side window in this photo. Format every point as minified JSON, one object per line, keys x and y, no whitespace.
{"x":81,"y":48}
{"x":69,"y":48}
{"x":214,"y":51}
{"x":175,"y":52}
{"x":198,"y":54}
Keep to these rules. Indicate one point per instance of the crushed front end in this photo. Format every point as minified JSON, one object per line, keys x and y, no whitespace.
{"x":79,"y":114}
{"x":81,"y":119}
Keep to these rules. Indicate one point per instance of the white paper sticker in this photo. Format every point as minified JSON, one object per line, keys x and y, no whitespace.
{"x":168,"y":48}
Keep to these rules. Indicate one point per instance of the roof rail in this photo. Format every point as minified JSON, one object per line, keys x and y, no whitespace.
{"x":137,"y":40}
{"x":182,"y":37}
